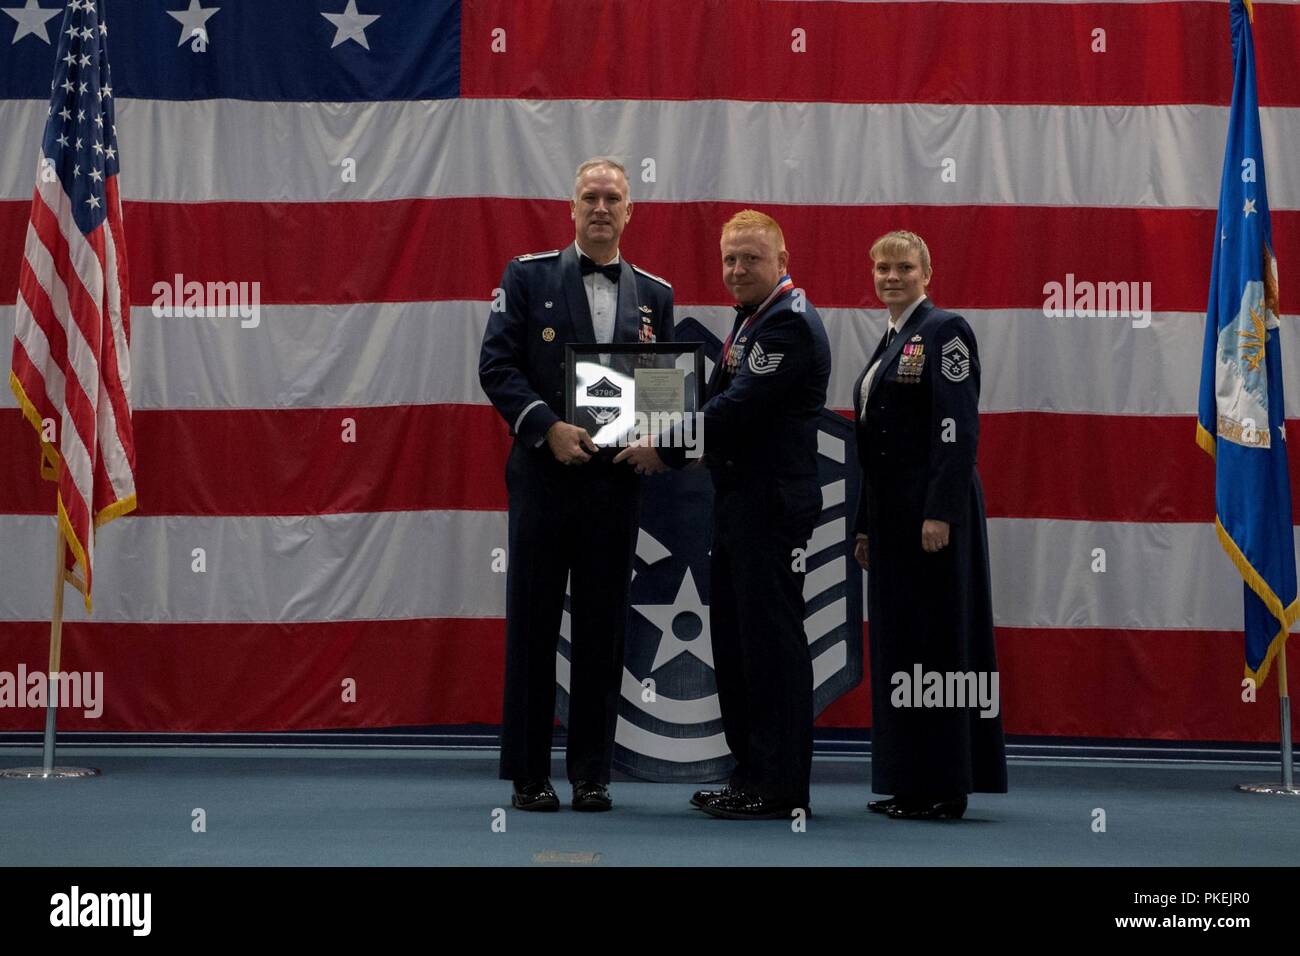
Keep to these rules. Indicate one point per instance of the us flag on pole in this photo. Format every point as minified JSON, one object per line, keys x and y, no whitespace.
{"x":71,"y":366}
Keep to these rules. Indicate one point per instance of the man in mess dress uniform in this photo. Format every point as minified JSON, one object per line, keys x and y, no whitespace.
{"x":572,"y":509}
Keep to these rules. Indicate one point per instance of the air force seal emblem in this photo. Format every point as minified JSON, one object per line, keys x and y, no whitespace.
{"x":1241,"y":372}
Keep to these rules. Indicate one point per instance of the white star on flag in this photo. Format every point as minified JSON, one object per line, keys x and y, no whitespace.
{"x":1249,"y":207}
{"x":662,"y":617}
{"x":31,"y":19}
{"x":192,"y":20}
{"x":350,"y":25}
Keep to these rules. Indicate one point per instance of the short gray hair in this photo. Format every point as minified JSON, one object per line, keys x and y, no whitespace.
{"x":596,"y":162}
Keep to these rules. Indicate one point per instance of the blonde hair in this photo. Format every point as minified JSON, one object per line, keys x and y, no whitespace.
{"x":753,"y":219}
{"x":595,"y":163}
{"x":900,"y":241}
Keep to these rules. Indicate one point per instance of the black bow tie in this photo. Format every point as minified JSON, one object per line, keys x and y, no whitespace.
{"x":745,"y":311}
{"x":611,"y":271}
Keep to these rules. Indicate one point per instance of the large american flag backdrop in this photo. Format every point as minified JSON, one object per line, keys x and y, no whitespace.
{"x":321,"y":492}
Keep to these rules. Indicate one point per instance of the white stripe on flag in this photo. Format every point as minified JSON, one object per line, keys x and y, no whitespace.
{"x":384,"y":566}
{"x":704,"y":149}
{"x":425,"y":353}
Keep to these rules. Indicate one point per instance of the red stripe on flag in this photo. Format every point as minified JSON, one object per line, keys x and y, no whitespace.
{"x":235,"y":677}
{"x":77,"y":509}
{"x":1081,"y":467}
{"x":398,"y":463}
{"x":1072,"y":682}
{"x":872,"y":52}
{"x":33,"y":383}
{"x":202,"y":462}
{"x":14,"y":217}
{"x":1107,"y":683}
{"x":405,"y":256}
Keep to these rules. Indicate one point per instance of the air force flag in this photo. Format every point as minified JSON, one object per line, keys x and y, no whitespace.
{"x":1241,"y":419}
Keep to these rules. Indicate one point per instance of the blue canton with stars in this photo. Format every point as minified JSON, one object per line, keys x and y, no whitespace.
{"x":289,"y":51}
{"x":80,"y":142}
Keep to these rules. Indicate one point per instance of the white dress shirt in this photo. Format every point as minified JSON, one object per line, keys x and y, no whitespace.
{"x":896,"y":325}
{"x":602,"y":299}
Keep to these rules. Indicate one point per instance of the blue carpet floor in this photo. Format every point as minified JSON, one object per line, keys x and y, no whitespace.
{"x":427,"y":807}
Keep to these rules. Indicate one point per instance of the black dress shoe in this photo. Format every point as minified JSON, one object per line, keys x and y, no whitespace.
{"x":929,"y":809}
{"x":534,"y":795}
{"x":700,"y":797}
{"x":747,"y":805}
{"x":882,"y":806}
{"x":591,"y":797}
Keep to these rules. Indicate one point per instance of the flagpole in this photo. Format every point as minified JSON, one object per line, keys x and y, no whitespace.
{"x":1284,"y":702}
{"x":1287,"y":787}
{"x":86,"y":209}
{"x":56,"y":650}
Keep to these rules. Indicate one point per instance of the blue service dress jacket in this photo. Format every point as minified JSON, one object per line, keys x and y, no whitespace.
{"x":917,"y":436}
